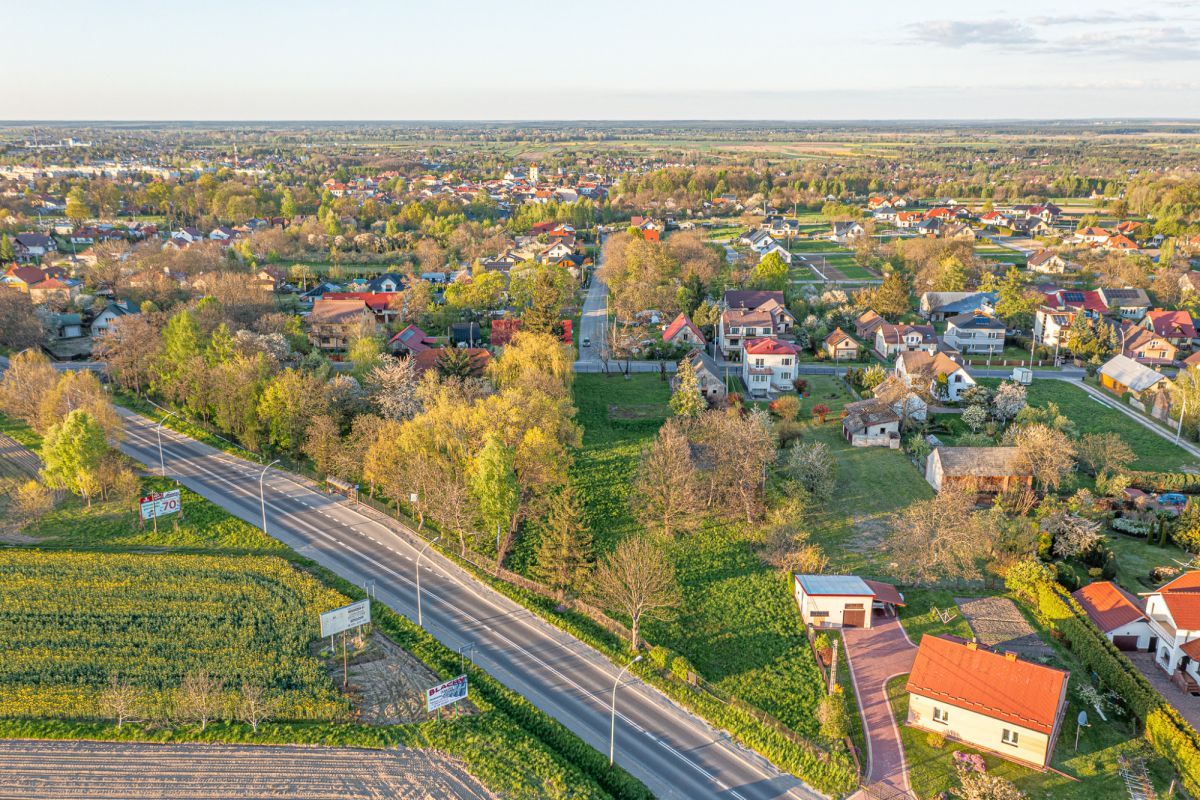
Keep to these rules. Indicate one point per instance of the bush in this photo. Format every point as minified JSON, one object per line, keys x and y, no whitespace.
{"x":681,"y":669}
{"x":1185,"y":482}
{"x":935,"y":740}
{"x":1130,"y":526}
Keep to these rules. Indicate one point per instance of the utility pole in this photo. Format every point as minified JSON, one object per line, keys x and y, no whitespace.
{"x":420,"y":623}
{"x":262,"y":494}
{"x":612,"y":731}
{"x":833,"y":667}
{"x":158,"y":429}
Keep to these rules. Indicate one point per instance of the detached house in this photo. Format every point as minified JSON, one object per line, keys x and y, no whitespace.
{"x":975,"y":332}
{"x":847,"y":232}
{"x":993,"y":701}
{"x":937,"y":306}
{"x":683,"y":331}
{"x":891,"y":340}
{"x":769,"y":365}
{"x":751,"y":314}
{"x":947,"y":378}
{"x":1174,"y":615}
{"x":1147,"y":347}
{"x":840,"y":347}
{"x":1127,"y":303}
{"x":871,"y":423}
{"x":708,"y":375}
{"x":32,"y":246}
{"x":1049,"y":324}
{"x":866,"y":324}
{"x":1047,"y":262}
{"x":1117,"y":613}
{"x":1174,"y":326}
{"x":333,"y":323}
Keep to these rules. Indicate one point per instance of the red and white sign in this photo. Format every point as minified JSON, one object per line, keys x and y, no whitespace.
{"x":160,"y":504}
{"x":446,"y":693}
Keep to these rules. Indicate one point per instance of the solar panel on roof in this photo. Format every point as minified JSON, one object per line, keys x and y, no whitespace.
{"x":1074,"y":297}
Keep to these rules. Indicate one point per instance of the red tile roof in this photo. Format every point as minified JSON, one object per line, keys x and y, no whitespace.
{"x":1172,"y":324}
{"x":1185,"y":609}
{"x":996,"y":685}
{"x":769,"y":347}
{"x":1108,"y":605}
{"x":885,"y":592}
{"x":1188,"y":581}
{"x":678,"y":324}
{"x":376,"y":301}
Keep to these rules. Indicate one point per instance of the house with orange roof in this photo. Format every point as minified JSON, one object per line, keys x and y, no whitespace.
{"x":768,"y":365}
{"x":1176,"y":327}
{"x":1174,"y":614}
{"x":1129,"y":227}
{"x":1117,"y":613}
{"x":987,"y":699}
{"x":1120,"y":242}
{"x":683,"y":331}
{"x":1092,"y":235}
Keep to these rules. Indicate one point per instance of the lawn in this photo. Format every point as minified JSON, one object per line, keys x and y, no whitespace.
{"x":829,"y":390}
{"x":738,"y":627}
{"x":855,"y":272}
{"x":873,"y":484}
{"x":817,"y":246}
{"x":1090,"y":416}
{"x":1136,"y":558}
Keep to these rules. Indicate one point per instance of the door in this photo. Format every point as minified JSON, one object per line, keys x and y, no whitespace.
{"x":1127,"y":643}
{"x":1153,"y":646}
{"x":854,"y":617}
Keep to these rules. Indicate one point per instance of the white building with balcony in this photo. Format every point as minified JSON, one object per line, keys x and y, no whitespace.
{"x":1174,"y":615}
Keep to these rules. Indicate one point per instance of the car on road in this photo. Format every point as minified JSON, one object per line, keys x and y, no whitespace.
{"x":587,"y":341}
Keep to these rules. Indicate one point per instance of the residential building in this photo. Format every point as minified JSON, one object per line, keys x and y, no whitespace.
{"x":683,"y":331}
{"x":871,"y":423}
{"x":847,"y":232}
{"x":843,"y":601}
{"x":1146,"y":347}
{"x":1048,"y":262}
{"x":779,"y":250}
{"x":947,"y":378}
{"x":994,"y":701}
{"x":33,"y":246}
{"x":769,"y":365}
{"x":975,"y":332}
{"x":1117,"y":613}
{"x":891,"y":340}
{"x":1175,"y":326}
{"x":708,"y":375}
{"x":108,"y":317}
{"x":840,"y":346}
{"x":1146,"y":388}
{"x":866,"y":324}
{"x":751,"y":314}
{"x":1089,"y":302}
{"x":937,"y":306}
{"x":410,"y":341}
{"x":332,"y":324}
{"x":22,"y":277}
{"x":1127,"y":302}
{"x":1174,"y":615}
{"x":1049,"y":325}
{"x":984,"y":470}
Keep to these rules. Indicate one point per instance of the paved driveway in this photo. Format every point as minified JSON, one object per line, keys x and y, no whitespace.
{"x":1187,"y":706}
{"x":876,"y":655}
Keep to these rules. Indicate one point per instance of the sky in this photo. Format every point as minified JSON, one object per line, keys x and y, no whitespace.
{"x":607,"y":60}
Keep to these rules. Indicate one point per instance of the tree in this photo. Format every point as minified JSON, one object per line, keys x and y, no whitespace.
{"x":813,"y":467}
{"x":72,"y":453}
{"x":392,"y":388}
{"x":985,"y":786}
{"x":820,"y":411}
{"x":365,"y":353}
{"x":686,"y":400}
{"x":833,"y":715}
{"x":532,"y":359}
{"x":665,"y":494}
{"x":891,"y":299}
{"x":1073,"y":536}
{"x":120,"y":700}
{"x":493,"y":484}
{"x":637,"y":579}
{"x":131,"y":350}
{"x":181,"y":342}
{"x":78,"y":210}
{"x":770,"y":273}
{"x":322,"y":443}
{"x":940,"y":538}
{"x":1047,"y":453}
{"x":29,"y":378}
{"x":564,"y":553}
{"x":1015,"y":303}
{"x":735,"y":452}
{"x":1009,"y":400}
{"x":289,"y":402}
{"x":198,"y":698}
{"x":255,"y":706}
{"x":454,"y":362}
{"x":287,"y":206}
{"x":1104,"y":452}
{"x":7,"y":255}
{"x":974,"y":417}
{"x":19,"y":325}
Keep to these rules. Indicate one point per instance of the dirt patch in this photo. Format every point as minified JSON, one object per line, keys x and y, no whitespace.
{"x":998,"y":623}
{"x":869,"y":532}
{"x":386,"y":683}
{"x":636,"y":412}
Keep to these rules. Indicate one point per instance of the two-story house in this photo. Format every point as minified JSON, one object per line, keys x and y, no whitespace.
{"x":937,"y":306}
{"x":1174,"y":614}
{"x":1050,"y":324}
{"x":1174,"y":326}
{"x":975,"y":332}
{"x":769,"y":365}
{"x":947,"y":378}
{"x":751,"y":314}
{"x":891,"y":340}
{"x":332,"y":324}
{"x":682,"y":331}
{"x":708,"y":375}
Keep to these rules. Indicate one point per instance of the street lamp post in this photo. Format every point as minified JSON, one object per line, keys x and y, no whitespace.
{"x":420,"y":624}
{"x":612,"y":730}
{"x":262,"y":492}
{"x":162,"y":465}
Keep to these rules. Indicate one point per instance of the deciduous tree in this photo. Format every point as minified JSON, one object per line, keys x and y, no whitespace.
{"x":665,"y":493}
{"x":638,"y":580}
{"x":72,"y":453}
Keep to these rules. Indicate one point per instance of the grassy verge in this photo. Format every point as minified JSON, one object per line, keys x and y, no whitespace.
{"x":20,"y":433}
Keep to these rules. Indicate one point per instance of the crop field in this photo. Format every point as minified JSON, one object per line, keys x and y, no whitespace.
{"x":71,"y":620}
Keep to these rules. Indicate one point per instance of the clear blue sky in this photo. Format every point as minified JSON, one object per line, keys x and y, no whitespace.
{"x":613,"y":59}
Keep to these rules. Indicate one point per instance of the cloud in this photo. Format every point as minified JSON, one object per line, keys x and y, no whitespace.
{"x":950,"y":33}
{"x":1096,"y":18}
{"x":1139,"y":44}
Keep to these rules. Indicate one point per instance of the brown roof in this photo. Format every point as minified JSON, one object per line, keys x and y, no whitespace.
{"x":997,"y":685}
{"x":838,"y":336}
{"x":885,"y":592}
{"x":981,"y":462}
{"x":426,"y":360}
{"x":940,"y":363}
{"x":1108,"y":605}
{"x":337,"y":311}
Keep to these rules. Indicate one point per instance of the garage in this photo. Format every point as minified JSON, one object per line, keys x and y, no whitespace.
{"x":1128,"y":643}
{"x":854,"y":617}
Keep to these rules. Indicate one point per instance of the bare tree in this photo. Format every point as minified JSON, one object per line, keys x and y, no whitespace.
{"x":1047,"y":453}
{"x":665,"y":493}
{"x":255,"y":706}
{"x":1073,"y":535}
{"x":120,"y":700}
{"x":199,"y":698}
{"x":1104,"y":451}
{"x":392,"y":387}
{"x":637,"y":579}
{"x":941,"y":538}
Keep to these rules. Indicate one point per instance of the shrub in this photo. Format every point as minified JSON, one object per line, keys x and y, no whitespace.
{"x":935,"y":740}
{"x":681,"y":669}
{"x":1130,"y":526}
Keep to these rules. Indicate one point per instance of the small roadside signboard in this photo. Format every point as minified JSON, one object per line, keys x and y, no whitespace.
{"x":345,"y":618}
{"x":161,"y":504}
{"x":446,"y":693}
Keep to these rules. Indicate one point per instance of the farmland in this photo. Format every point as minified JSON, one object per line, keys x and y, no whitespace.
{"x":70,"y":620}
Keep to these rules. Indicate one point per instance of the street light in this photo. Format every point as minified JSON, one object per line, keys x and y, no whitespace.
{"x":612,"y":731}
{"x":419,"y":557}
{"x":262,"y":493}
{"x":158,"y":429}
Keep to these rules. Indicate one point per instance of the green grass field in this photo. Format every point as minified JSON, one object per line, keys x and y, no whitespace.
{"x":824,"y":389}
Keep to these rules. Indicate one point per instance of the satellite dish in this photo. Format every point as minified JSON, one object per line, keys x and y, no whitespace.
{"x":1082,"y":718}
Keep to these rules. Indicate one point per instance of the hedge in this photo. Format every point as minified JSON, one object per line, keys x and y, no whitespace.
{"x":1170,"y":735}
{"x":1186,"y":482}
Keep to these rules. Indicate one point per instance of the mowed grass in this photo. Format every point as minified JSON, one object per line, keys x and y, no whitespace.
{"x":828,"y":390}
{"x":737,"y":625}
{"x":1090,"y":416}
{"x":873,"y":484}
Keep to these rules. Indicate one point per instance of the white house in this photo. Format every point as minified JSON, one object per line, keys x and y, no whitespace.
{"x":1049,"y":324}
{"x":990,"y":700}
{"x":783,"y":252}
{"x":937,"y":366}
{"x":103,"y":321}
{"x":768,"y":365}
{"x":749,"y":314}
{"x":891,"y":340}
{"x":843,"y":601}
{"x":1117,"y":613}
{"x":846,"y":232}
{"x":975,"y":332}
{"x":1174,"y":614}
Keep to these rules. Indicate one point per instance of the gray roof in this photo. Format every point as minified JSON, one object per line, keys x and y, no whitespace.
{"x":701,"y":360}
{"x":981,"y":462}
{"x":1125,"y":370}
{"x":976,"y":321}
{"x":851,"y":585}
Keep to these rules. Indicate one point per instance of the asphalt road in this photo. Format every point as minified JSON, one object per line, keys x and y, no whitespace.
{"x":676,"y":754}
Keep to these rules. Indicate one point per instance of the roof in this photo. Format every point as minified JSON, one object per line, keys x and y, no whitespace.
{"x":1182,"y":598}
{"x":678,"y":324}
{"x":838,"y":336}
{"x":27,"y":275}
{"x":1126,"y":371}
{"x":1073,"y":298}
{"x":1175,"y":324}
{"x":939,"y":363}
{"x":862,"y":414}
{"x":976,"y":320}
{"x":413,"y":338}
{"x":996,"y":685}
{"x":837,"y":585}
{"x":981,"y":462}
{"x":1127,"y":297}
{"x":769,"y":347}
{"x":885,"y":592}
{"x":703,"y":361}
{"x":956,"y":301}
{"x":337,"y":311}
{"x":427,"y":358}
{"x":1108,"y":605}
{"x":751,"y":298}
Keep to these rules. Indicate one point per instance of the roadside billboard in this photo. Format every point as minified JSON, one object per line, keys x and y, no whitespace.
{"x":446,"y":693}
{"x":160,"y":504}
{"x":345,"y":618}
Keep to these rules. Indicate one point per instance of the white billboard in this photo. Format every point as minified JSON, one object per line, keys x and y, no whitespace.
{"x":446,"y":693}
{"x":345,"y":618}
{"x":160,"y":504}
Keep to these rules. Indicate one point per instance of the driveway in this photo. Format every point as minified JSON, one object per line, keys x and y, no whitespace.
{"x":875,"y":656}
{"x":1187,"y":706}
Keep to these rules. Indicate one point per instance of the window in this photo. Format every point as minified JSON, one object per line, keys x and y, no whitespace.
{"x":758,"y":362}
{"x":787,"y":362}
{"x":818,"y":613}
{"x":940,"y":715}
{"x":1009,"y":737}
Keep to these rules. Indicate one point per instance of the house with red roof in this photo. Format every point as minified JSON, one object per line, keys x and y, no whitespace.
{"x":22,"y":277}
{"x":1117,"y":613}
{"x":991,"y":700}
{"x":1120,"y":242}
{"x":684,"y":332}
{"x":1174,"y":614}
{"x":1092,"y":235}
{"x":768,"y":365}
{"x":410,"y":341}
{"x":382,"y":304}
{"x":1174,"y":326}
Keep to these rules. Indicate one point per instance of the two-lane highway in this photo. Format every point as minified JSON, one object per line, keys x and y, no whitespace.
{"x":674,"y":753}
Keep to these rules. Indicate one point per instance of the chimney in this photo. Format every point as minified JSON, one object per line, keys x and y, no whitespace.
{"x":973,"y":645}
{"x":1011,"y":656}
